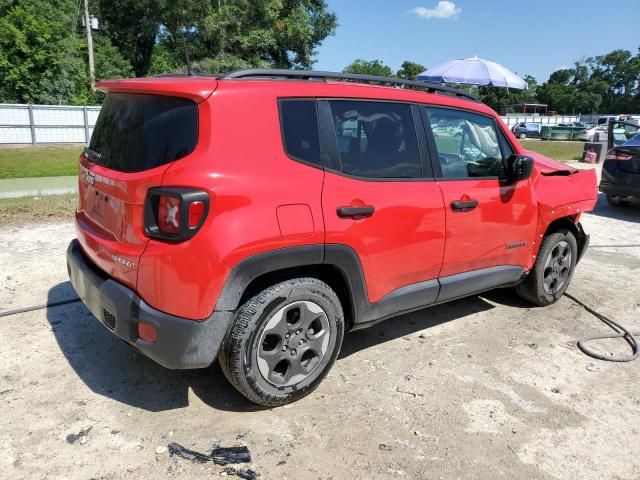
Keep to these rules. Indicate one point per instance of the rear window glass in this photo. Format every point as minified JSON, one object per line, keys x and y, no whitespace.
{"x":139,"y":132}
{"x":300,"y":130}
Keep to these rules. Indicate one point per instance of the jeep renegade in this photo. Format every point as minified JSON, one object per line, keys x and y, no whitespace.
{"x":257,"y":216}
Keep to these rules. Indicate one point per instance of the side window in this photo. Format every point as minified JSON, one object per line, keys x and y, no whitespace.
{"x":505,"y":146}
{"x":376,"y":139}
{"x":299,"y":123}
{"x":468,"y":144}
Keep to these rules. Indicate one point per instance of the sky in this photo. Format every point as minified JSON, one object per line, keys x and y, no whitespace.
{"x":533,"y":37}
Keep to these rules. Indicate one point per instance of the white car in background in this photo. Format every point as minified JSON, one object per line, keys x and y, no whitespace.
{"x":595,"y":133}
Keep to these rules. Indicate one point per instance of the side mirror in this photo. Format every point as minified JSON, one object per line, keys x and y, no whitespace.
{"x":519,"y":167}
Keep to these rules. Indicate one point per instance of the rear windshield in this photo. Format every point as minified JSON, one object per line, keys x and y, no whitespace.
{"x":138,"y":132}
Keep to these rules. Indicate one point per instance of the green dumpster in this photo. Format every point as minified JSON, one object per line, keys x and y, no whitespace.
{"x":553,"y":132}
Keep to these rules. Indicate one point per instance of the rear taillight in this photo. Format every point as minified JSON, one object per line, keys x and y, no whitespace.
{"x":196,"y":212}
{"x":617,"y":155}
{"x":169,"y":214}
{"x":175,"y":214}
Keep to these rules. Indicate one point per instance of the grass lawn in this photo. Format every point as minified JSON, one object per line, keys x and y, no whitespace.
{"x":36,"y":209}
{"x":39,"y":161}
{"x":556,"y":149}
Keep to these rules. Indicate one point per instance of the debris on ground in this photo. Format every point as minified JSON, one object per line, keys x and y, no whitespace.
{"x":192,"y":455}
{"x":219,"y":455}
{"x":591,"y":366}
{"x":227,"y":455}
{"x":246,"y":474}
{"x":81,"y":435}
{"x":160,"y":449}
{"x":413,"y":394}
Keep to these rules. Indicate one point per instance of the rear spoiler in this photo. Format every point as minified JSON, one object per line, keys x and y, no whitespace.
{"x":197,"y":89}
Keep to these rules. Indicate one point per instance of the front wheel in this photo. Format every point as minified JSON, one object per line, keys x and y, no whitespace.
{"x":522,"y":136}
{"x":283,"y":341}
{"x":552,"y":271}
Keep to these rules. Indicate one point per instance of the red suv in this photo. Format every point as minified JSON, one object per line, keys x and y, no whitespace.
{"x":255,"y":217}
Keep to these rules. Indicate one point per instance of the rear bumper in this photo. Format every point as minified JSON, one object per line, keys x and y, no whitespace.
{"x":624,"y":189}
{"x":180,"y":344}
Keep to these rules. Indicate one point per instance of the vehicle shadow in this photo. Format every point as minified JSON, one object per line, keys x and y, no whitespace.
{"x":112,"y":368}
{"x":627,"y":213}
{"x":410,"y":323}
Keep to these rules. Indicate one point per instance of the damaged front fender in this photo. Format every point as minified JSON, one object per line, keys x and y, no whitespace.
{"x":563,"y":194}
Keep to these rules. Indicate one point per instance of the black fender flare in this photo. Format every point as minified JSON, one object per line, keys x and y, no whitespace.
{"x":345,"y":260}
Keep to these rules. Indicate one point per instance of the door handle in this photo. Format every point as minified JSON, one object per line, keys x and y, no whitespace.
{"x":464,"y":205}
{"x":355,"y":212}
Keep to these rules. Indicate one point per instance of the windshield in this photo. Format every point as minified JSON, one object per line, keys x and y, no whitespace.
{"x":138,"y":132}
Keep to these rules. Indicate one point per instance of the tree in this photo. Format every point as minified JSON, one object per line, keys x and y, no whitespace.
{"x":38,"y":59}
{"x":132,"y":27}
{"x":43,"y":52}
{"x":410,"y":70}
{"x":369,"y":67}
{"x":498,"y":98}
{"x":225,"y":35}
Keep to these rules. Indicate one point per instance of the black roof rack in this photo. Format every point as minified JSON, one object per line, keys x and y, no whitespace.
{"x":184,"y":74}
{"x":317,"y":75}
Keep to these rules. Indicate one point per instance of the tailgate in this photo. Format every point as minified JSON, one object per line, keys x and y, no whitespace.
{"x":110,"y":217}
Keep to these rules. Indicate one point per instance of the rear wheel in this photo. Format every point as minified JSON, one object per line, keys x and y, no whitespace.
{"x":553,"y":269}
{"x":283,"y":341}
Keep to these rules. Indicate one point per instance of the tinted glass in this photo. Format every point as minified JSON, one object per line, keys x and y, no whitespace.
{"x":468,"y":144}
{"x":139,"y":132}
{"x":376,"y":139}
{"x":300,"y":130}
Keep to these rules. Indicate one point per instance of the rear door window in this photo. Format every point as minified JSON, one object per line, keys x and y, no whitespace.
{"x":376,"y":139}
{"x":299,"y":123}
{"x":468,"y":144}
{"x":138,"y":132}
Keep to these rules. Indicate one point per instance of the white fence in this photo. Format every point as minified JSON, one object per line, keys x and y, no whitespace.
{"x":64,"y":124}
{"x":511,"y":120}
{"x":46,"y":123}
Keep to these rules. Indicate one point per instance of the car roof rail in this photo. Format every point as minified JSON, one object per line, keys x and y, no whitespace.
{"x":267,"y":73}
{"x":184,"y":74}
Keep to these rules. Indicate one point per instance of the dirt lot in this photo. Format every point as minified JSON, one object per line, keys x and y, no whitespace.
{"x":481,"y":388}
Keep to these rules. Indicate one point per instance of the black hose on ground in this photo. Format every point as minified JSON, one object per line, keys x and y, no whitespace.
{"x":621,"y":332}
{"x":39,"y":307}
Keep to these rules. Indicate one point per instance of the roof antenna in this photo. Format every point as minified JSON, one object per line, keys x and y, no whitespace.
{"x":186,"y":53}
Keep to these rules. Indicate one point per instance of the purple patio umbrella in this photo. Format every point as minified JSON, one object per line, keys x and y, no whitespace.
{"x":473,"y":71}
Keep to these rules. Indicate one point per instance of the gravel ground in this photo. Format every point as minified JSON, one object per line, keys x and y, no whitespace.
{"x":480,"y":388}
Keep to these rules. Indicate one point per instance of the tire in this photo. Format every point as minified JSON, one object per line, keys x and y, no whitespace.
{"x":522,"y":136}
{"x":538,"y":288}
{"x":283,"y":341}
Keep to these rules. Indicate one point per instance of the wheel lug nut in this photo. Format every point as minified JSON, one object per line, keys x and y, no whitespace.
{"x":293,"y":352}
{"x":298,"y":332}
{"x":287,"y":336}
{"x":284,"y":349}
{"x":301,"y":342}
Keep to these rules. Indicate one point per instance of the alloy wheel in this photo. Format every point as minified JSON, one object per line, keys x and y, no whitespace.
{"x":557,"y":268}
{"x":293,"y":343}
